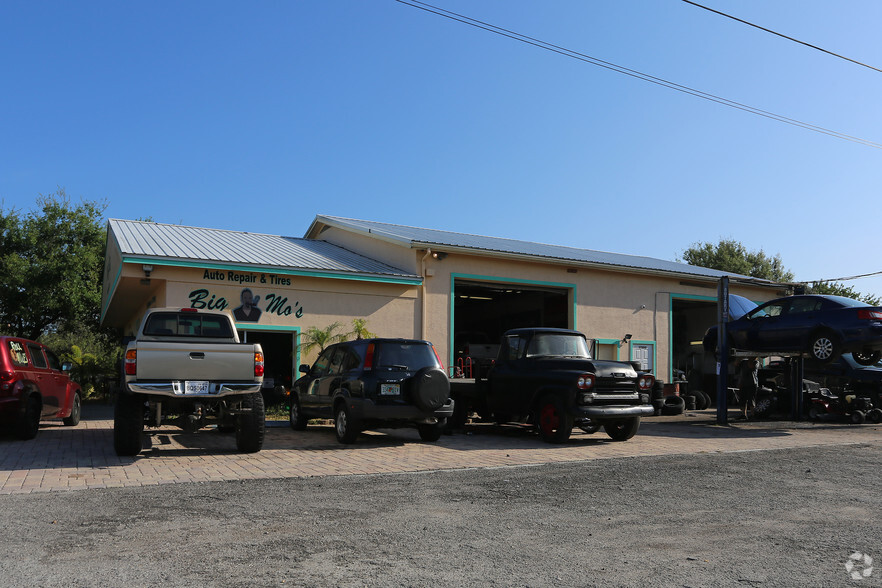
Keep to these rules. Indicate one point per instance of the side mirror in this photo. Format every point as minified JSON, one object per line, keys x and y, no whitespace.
{"x":66,"y":366}
{"x":304,"y":368}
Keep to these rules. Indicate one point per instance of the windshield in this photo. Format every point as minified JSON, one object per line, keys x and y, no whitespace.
{"x":404,"y":356}
{"x":558,"y":345}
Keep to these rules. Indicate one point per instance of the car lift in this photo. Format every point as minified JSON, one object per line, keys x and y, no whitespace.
{"x":797,"y":361}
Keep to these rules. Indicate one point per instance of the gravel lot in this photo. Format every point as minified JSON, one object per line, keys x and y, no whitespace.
{"x":763,"y":518}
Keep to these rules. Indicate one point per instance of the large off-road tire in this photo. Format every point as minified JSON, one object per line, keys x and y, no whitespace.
{"x":858,"y":417}
{"x":623,"y":429}
{"x":75,"y":412}
{"x":432,"y":432}
{"x":823,"y":347}
{"x":296,"y":419}
{"x":874,"y":416}
{"x":29,"y":424}
{"x":553,"y":421}
{"x":128,"y":424}
{"x":867,"y":358}
{"x":346,"y":427}
{"x":431,"y":389}
{"x":251,"y":426}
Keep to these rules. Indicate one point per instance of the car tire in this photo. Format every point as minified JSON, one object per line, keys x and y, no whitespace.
{"x":296,"y":418}
{"x":763,"y":406}
{"x":345,"y":426}
{"x":29,"y":424}
{"x":823,"y":347}
{"x":673,"y":405}
{"x":128,"y":425}
{"x":431,"y":432}
{"x":700,"y":400}
{"x":623,"y":429}
{"x":75,"y":412}
{"x":431,"y":389}
{"x":874,"y":416}
{"x":553,"y":421}
{"x":251,"y":426}
{"x":865,"y":359}
{"x":858,"y":417}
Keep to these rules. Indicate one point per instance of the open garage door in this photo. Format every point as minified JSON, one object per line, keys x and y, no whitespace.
{"x":690,"y":319}
{"x":483,"y":311}
{"x":278,"y":352}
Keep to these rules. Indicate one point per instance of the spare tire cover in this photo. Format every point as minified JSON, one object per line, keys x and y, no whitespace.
{"x":431,"y":389}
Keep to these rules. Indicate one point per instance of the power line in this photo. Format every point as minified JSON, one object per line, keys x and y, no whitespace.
{"x":631,"y":72}
{"x":849,"y":278}
{"x":782,"y":36}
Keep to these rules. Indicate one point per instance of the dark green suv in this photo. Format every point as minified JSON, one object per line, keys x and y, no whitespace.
{"x":374,"y":383}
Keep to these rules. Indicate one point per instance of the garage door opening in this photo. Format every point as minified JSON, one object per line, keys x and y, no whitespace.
{"x":690,"y":319}
{"x":278,"y":352}
{"x":483,"y":311}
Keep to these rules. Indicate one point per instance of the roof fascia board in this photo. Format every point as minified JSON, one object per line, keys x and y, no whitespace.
{"x":379,"y":235}
{"x":414,"y":281}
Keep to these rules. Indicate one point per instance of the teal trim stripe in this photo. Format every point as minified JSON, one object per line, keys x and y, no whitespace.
{"x":501,"y":280}
{"x":611,"y":342}
{"x":286,"y":272}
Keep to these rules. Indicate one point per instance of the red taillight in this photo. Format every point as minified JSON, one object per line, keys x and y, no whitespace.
{"x":369,"y":357}
{"x":438,"y":357}
{"x":870,"y":314}
{"x":646,"y":381}
{"x":131,"y":362}
{"x":585,"y":382}
{"x":189,"y":310}
{"x":258,"y":364}
{"x":6,"y":376}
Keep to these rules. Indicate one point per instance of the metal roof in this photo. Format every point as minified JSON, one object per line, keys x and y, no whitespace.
{"x":192,"y":244}
{"x":419,"y":237}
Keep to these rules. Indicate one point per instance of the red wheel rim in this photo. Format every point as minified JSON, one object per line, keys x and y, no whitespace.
{"x":549,"y":421}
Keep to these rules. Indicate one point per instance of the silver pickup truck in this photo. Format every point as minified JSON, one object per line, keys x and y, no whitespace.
{"x":186,"y":367}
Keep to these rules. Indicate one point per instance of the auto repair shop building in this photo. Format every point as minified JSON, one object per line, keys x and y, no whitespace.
{"x":457,"y":290}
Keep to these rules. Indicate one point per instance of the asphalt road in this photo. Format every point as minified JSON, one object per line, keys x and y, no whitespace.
{"x":761,"y":518}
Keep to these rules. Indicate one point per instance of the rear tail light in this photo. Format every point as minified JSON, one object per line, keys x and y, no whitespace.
{"x":369,"y":357}
{"x":438,"y":357}
{"x":585,"y":382}
{"x":258,"y":364}
{"x":869,"y":314}
{"x":6,"y":376}
{"x":131,"y":362}
{"x":646,"y":381}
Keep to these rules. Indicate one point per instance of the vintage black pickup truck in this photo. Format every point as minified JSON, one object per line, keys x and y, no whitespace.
{"x":547,"y":377}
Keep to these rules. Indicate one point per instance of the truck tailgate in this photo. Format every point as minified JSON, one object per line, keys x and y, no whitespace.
{"x":158,"y":360}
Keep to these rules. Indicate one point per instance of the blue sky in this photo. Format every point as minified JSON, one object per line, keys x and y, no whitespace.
{"x":258,"y":116}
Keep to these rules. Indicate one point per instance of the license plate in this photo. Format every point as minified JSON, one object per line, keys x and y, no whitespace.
{"x":196,"y":387}
{"x":390,"y":390}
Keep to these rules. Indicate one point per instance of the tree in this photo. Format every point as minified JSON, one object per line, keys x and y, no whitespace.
{"x":840,"y":289}
{"x":359,"y":329}
{"x":321,"y":338}
{"x":731,"y":256}
{"x":51,"y":264}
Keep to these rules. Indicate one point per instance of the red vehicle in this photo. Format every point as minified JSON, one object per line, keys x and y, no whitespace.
{"x":34,"y":385}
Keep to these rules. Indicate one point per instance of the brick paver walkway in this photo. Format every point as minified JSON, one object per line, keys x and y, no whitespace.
{"x":67,"y":458}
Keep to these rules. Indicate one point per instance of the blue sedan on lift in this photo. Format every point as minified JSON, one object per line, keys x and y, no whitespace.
{"x":822,"y":326}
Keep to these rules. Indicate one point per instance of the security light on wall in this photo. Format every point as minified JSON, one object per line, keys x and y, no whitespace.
{"x":439,"y":255}
{"x":147,"y":269}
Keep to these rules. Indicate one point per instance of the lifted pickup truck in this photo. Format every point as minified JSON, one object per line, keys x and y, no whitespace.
{"x":186,"y":367}
{"x":547,"y":377}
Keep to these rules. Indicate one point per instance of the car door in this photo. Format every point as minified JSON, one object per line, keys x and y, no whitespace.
{"x":308,"y":387}
{"x":801,"y":319}
{"x":61,"y":379}
{"x":45,"y":380}
{"x":762,"y":327}
{"x":330,"y":382}
{"x":507,"y":379}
